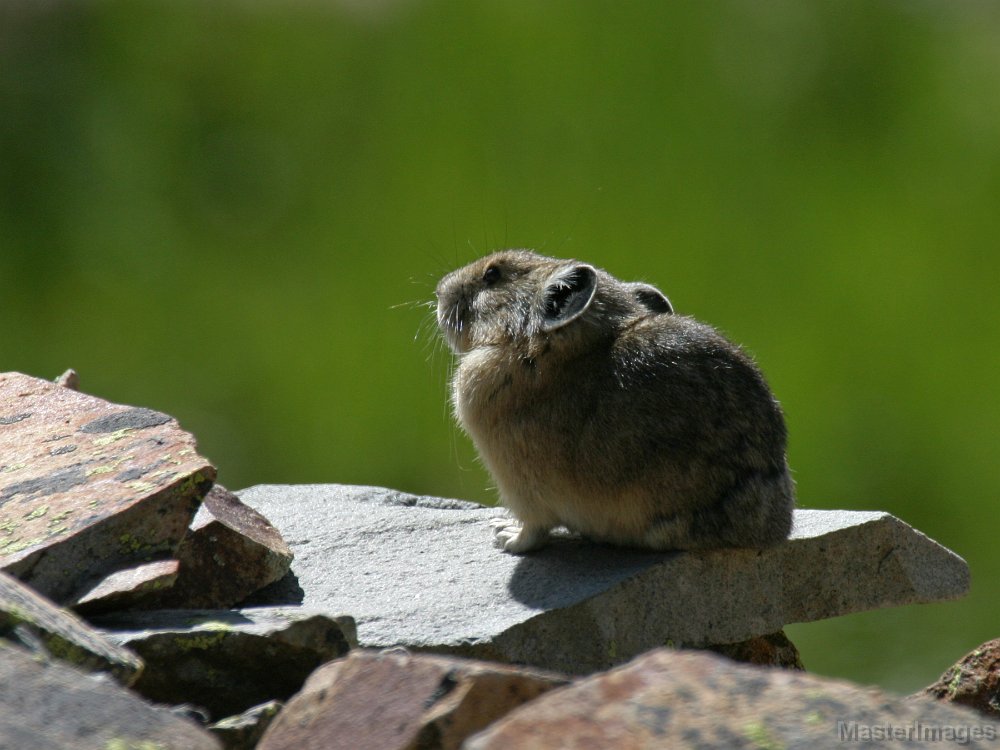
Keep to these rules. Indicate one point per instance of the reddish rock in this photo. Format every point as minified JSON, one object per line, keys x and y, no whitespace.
{"x":88,"y":487}
{"x":390,"y":700}
{"x":130,"y":588}
{"x":973,"y":682}
{"x":230,"y":552}
{"x":29,"y":618}
{"x":688,"y":699}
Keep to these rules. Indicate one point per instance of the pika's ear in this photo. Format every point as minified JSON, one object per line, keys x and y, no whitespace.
{"x":568,"y":293}
{"x":651,"y":298}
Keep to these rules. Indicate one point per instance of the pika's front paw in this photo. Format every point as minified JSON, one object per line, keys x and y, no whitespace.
{"x":512,"y":537}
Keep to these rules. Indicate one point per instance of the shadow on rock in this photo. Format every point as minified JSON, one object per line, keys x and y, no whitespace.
{"x":570,"y":569}
{"x":286,"y":590}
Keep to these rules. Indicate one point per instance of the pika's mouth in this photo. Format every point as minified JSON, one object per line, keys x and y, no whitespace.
{"x":451,"y":319}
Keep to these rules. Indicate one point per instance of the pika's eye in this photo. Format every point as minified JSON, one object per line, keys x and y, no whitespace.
{"x":491,"y":275}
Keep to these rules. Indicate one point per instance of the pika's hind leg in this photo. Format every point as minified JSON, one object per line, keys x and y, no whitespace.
{"x":669,"y":533}
{"x":517,"y":538}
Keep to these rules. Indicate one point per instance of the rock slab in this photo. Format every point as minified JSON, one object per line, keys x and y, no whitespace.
{"x":130,"y":588}
{"x":60,"y":634}
{"x":88,"y":487}
{"x":229,"y":552}
{"x":397,"y":701}
{"x":973,"y":682}
{"x":227,"y":661}
{"x":422,"y":572}
{"x":46,"y":706}
{"x":687,"y":699}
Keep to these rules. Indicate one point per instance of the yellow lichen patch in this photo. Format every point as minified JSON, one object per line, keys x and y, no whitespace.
{"x":59,"y":517}
{"x":130,"y":543}
{"x":215,"y":626}
{"x":206,"y":623}
{"x":37,"y":512}
{"x":120,"y":744}
{"x":114,"y":437}
{"x":201,"y":642}
{"x":955,"y":682}
{"x":10,"y":546}
{"x":110,"y":467}
{"x":758,"y":734}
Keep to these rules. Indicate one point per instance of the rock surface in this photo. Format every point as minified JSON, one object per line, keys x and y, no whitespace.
{"x":422,"y":573}
{"x":46,"y":706}
{"x":774,"y":650}
{"x":60,"y":634}
{"x":227,"y":661}
{"x":687,"y":699}
{"x":394,"y":700}
{"x":230,"y":552}
{"x":130,"y":588}
{"x":973,"y":682}
{"x":88,"y":487}
{"x":244,"y":732}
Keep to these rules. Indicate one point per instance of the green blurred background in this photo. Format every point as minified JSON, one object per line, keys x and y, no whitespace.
{"x":233,"y":212}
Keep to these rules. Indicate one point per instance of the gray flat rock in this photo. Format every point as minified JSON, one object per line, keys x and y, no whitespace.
{"x":422,"y":572}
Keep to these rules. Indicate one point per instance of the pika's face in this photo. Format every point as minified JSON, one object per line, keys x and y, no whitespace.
{"x":517,"y":297}
{"x":509,"y":297}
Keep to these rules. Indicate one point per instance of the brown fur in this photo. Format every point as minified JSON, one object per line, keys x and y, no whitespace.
{"x":595,"y":407}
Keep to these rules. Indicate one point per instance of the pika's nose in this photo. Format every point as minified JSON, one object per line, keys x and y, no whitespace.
{"x":442,"y":286}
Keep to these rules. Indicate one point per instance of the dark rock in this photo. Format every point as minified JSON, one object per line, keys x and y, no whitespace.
{"x":773,"y":650}
{"x":131,"y":588}
{"x":46,"y":706}
{"x":973,"y":682}
{"x":395,"y":700}
{"x":243,"y":732}
{"x":88,"y":487}
{"x":26,"y":616}
{"x":690,"y":699}
{"x":230,"y":552}
{"x":423,"y":573}
{"x":226,"y":661}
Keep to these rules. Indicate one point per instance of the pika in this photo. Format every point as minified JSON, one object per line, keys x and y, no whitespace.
{"x":595,"y":407}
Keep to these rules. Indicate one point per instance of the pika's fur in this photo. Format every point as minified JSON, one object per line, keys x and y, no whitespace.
{"x":595,"y":407}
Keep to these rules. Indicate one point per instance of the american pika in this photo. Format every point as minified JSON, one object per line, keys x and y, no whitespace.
{"x":594,"y":406}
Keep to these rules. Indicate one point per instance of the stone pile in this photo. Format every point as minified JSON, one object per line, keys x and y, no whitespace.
{"x":193,"y":625}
